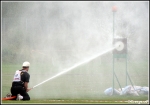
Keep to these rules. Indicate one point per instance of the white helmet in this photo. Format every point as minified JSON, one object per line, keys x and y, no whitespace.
{"x":26,"y":63}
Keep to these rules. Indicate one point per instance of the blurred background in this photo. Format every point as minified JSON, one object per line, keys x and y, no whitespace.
{"x":54,"y":36}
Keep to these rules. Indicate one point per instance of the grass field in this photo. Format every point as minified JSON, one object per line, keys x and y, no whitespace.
{"x":81,"y":85}
{"x":104,"y":99}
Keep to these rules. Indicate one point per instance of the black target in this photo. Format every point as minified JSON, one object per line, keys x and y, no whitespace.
{"x":120,"y":45}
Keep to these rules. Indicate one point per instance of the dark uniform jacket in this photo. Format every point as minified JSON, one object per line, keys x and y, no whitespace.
{"x":24,"y":78}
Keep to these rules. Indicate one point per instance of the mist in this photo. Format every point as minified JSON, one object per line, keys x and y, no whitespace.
{"x":54,"y":36}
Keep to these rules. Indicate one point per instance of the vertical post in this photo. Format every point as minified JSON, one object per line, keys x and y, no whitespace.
{"x":113,"y":55}
{"x":114,"y":9}
{"x":113,"y":24}
{"x":113,"y":75}
{"x":127,"y":64}
{"x":126,"y":71}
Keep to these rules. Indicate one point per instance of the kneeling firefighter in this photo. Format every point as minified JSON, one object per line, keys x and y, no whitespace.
{"x":20,"y":82}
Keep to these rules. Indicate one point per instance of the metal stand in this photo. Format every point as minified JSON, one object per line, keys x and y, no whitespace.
{"x":114,"y":74}
{"x":121,"y":53}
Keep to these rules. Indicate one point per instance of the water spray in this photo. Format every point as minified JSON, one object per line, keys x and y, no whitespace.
{"x":76,"y":65}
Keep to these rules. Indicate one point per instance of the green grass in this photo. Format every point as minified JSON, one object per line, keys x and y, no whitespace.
{"x":104,"y":99}
{"x":84,"y":84}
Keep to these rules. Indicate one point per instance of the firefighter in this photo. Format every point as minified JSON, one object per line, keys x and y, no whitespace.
{"x":20,"y":82}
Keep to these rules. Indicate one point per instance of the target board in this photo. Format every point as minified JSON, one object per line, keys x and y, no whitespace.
{"x":120,"y":45}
